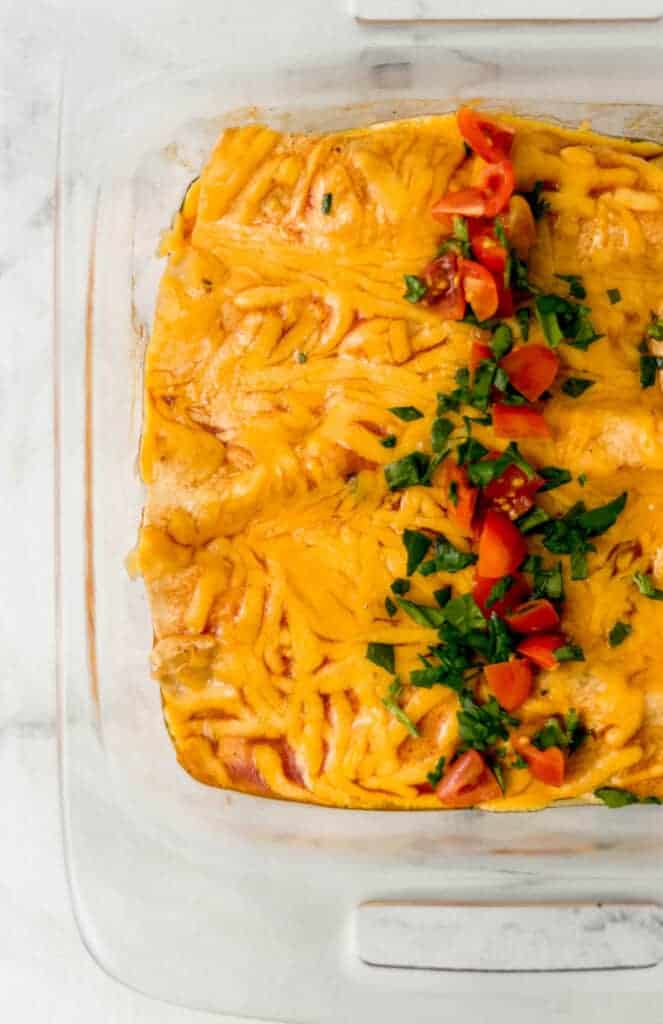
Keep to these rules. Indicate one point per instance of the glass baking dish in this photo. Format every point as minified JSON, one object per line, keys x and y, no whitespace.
{"x":220,"y":900}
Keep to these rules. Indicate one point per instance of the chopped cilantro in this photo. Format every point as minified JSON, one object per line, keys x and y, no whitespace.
{"x":389,"y":441}
{"x":400,"y":586}
{"x":519,"y":762}
{"x":440,"y":433}
{"x":470,"y":451}
{"x":523,"y":317}
{"x":382,"y":655}
{"x":301,"y":357}
{"x":442,"y":595}
{"x":576,"y":287}
{"x":498,"y":590}
{"x":501,"y":341}
{"x":481,"y":726}
{"x":569,"y":652}
{"x":619,"y":632}
{"x":484,"y":375}
{"x":416,"y":545}
{"x":464,"y":613}
{"x":430,"y":618}
{"x":648,"y":367}
{"x":554,"y":477}
{"x":538,"y":205}
{"x":447,"y":558}
{"x":576,"y":386}
{"x":501,"y":643}
{"x":570,"y":534}
{"x":546,"y":582}
{"x":390,"y":607}
{"x":655,"y":328}
{"x":416,"y":289}
{"x":406,"y":412}
{"x":567,"y":735}
{"x":392,"y":705}
{"x":326,"y":203}
{"x":614,"y":295}
{"x":562,"y":320}
{"x":459,"y":242}
{"x":582,"y":479}
{"x":485,"y":471}
{"x":614,"y":797}
{"x":645,"y":585}
{"x":408,"y":471}
{"x":533,"y":520}
{"x":435,"y":776}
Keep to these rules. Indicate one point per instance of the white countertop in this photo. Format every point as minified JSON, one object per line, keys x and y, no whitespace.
{"x":45,"y":973}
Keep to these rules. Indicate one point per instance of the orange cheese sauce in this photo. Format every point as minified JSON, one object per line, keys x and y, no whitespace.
{"x":269,"y":537}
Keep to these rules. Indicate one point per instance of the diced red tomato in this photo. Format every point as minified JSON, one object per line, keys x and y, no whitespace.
{"x":531,"y":369}
{"x":502,"y":546}
{"x":514,"y":595}
{"x":485,"y":246}
{"x":512,"y":492}
{"x":486,"y":199}
{"x":505,"y":305}
{"x":468,"y":781}
{"x":491,"y":141}
{"x":534,"y":617}
{"x":445,"y":292}
{"x":478,"y":353}
{"x":510,"y":681}
{"x":539,"y":648}
{"x":545,"y":765}
{"x":479,"y":288}
{"x":520,"y":226}
{"x":462,"y":511}
{"x":516,"y":421}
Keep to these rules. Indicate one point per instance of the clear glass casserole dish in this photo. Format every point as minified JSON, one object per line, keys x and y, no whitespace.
{"x":190,"y":893}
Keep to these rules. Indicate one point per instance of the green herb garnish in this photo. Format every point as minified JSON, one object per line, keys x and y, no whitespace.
{"x":400,"y":586}
{"x":464,"y":614}
{"x":416,"y":289}
{"x":382,"y":655}
{"x":407,"y":413}
{"x":430,"y":618}
{"x":582,"y":479}
{"x":301,"y":358}
{"x":646,"y":586}
{"x":502,"y":341}
{"x":554,"y":477}
{"x":499,"y":590}
{"x":389,"y":441}
{"x":481,"y":726}
{"x":416,"y":545}
{"x":392,"y":705}
{"x":614,"y":295}
{"x":523,"y":317}
{"x":442,"y":595}
{"x":562,"y":320}
{"x":435,"y":776}
{"x":533,"y":520}
{"x":447,"y":558}
{"x":576,"y":287}
{"x":567,"y":735}
{"x":614,"y":797}
{"x":408,"y":471}
{"x":618,"y":634}
{"x":576,"y":386}
{"x":648,"y":367}
{"x":326,"y":203}
{"x":440,"y":433}
{"x":569,"y":652}
{"x":390,"y":607}
{"x":538,"y":205}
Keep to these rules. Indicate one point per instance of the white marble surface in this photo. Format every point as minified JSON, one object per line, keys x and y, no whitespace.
{"x":45,"y":974}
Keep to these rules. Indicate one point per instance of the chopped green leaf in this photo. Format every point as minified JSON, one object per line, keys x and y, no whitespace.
{"x":614,"y":797}
{"x":406,"y":412}
{"x":523,"y":317}
{"x":501,"y":380}
{"x":614,"y":295}
{"x":568,"y":735}
{"x":464,"y":613}
{"x":502,"y":341}
{"x":569,"y":652}
{"x":498,"y":590}
{"x":301,"y":357}
{"x":440,"y":432}
{"x":582,"y":479}
{"x":597,"y":520}
{"x":546,"y":582}
{"x":501,"y":641}
{"x":646,"y":586}
{"x":408,"y":471}
{"x":430,"y":618}
{"x":392,"y":705}
{"x":538,"y":205}
{"x":484,"y":472}
{"x":576,"y":732}
{"x":655,"y":328}
{"x":416,"y":289}
{"x":416,"y":545}
{"x":481,"y":726}
{"x":447,"y":558}
{"x":327,"y":201}
{"x":648,"y":368}
{"x":532,"y":520}
{"x":400,"y":586}
{"x":389,"y":441}
{"x":390,"y":607}
{"x":435,"y":776}
{"x":554,"y":477}
{"x":576,"y":287}
{"x":442,"y":595}
{"x":519,"y":762}
{"x":382,"y":655}
{"x":484,"y":376}
{"x":576,"y":386}
{"x":453,"y":493}
{"x":619,"y":632}
{"x":470,"y":450}
{"x":562,"y":320}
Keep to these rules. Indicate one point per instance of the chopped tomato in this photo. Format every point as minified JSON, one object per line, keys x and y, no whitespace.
{"x":479,"y":288}
{"x":545,"y":765}
{"x":515,"y":421}
{"x":497,"y":183}
{"x":514,"y":595}
{"x":461,"y":511}
{"x":485,"y":246}
{"x":491,"y":141}
{"x":512,"y":492}
{"x":533,"y":617}
{"x":445,"y":293}
{"x":502,"y":546}
{"x":486,"y":199}
{"x":505,"y":304}
{"x":468,"y":781}
{"x":520,"y":226}
{"x":478,"y":353}
{"x":540,"y":648}
{"x":531,"y":369}
{"x":510,"y":681}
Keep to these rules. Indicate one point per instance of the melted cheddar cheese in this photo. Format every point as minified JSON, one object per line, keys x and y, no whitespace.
{"x":269,"y":538}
